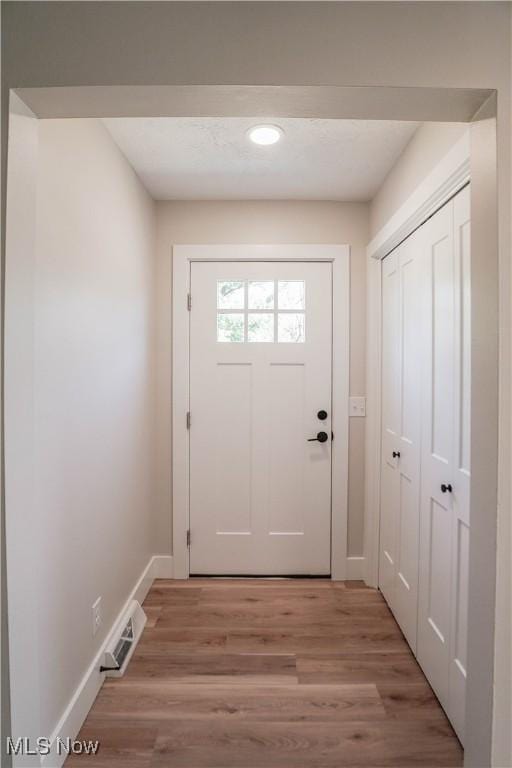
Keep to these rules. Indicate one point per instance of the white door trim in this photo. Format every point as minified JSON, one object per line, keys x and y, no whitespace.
{"x":445,"y":180}
{"x":339,"y":257}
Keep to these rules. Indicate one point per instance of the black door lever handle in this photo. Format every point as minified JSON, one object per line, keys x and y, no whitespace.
{"x":321,"y":437}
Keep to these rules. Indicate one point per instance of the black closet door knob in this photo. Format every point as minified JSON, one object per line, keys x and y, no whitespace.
{"x":396,"y":454}
{"x":321,"y":437}
{"x":446,"y":488}
{"x":322,"y":415}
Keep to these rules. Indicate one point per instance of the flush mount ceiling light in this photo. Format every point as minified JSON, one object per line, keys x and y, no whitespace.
{"x":265,"y":134}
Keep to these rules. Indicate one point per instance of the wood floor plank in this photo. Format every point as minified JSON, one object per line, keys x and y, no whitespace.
{"x":161,"y":641}
{"x":281,"y":614}
{"x":284,"y":673}
{"x":265,"y":584}
{"x":258,"y":703}
{"x":325,"y":596}
{"x":372,"y":638}
{"x":208,"y":667}
{"x":254,"y":597}
{"x":358,"y":667}
{"x":410,"y":701}
{"x":172,"y":596}
{"x":286,"y":745}
{"x":152,"y":614}
{"x":129,"y":745}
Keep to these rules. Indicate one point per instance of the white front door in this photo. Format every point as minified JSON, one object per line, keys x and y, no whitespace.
{"x":260,"y":390}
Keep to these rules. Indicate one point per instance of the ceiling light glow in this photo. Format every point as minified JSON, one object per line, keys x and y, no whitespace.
{"x":265,"y":135}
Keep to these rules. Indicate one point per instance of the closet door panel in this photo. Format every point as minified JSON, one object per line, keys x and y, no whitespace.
{"x":390,"y":423}
{"x":434,"y":619}
{"x":391,"y":345}
{"x":426,"y":397}
{"x":462,"y":460}
{"x":462,"y":344}
{"x":406,"y":580}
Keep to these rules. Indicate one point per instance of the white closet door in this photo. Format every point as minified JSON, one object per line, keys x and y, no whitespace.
{"x":462,"y":460}
{"x":425,"y":478}
{"x":390,"y":423}
{"x":401,"y":434}
{"x":445,"y":460}
{"x":409,"y":440}
{"x":434,"y":619}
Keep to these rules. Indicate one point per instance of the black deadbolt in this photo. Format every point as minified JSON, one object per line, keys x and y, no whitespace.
{"x":322,"y":415}
{"x":322,"y":437}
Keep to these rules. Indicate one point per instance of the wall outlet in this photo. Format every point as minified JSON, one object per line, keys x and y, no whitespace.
{"x":96,"y":616}
{"x":357,"y":406}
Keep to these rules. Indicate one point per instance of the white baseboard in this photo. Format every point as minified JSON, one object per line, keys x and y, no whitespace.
{"x":356,"y":568}
{"x":142,"y":587}
{"x":159,"y":567}
{"x":163,"y":567}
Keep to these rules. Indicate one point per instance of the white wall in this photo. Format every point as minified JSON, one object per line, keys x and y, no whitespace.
{"x":426,"y":148}
{"x":21,"y":523}
{"x":502,"y":732}
{"x":262,"y":222}
{"x":94,"y":395}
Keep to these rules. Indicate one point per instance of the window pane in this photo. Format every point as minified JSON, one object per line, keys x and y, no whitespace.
{"x":230,"y":327}
{"x":261,"y":294}
{"x":260,"y":327}
{"x":291,"y":294}
{"x":230,"y":294}
{"x":290,"y":327}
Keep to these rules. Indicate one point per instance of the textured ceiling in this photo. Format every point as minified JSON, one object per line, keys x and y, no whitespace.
{"x":213,"y":159}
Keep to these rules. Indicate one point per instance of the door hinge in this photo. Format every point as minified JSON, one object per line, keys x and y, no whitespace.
{"x":188,"y":538}
{"x":188,"y":419}
{"x":189,"y":301}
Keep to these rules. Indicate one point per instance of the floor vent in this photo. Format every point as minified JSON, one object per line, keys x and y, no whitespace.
{"x":123,"y":641}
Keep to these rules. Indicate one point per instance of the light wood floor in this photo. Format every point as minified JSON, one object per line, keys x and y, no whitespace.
{"x":269,"y":674}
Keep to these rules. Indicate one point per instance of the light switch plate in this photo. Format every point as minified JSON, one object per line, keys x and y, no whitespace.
{"x":357,"y":406}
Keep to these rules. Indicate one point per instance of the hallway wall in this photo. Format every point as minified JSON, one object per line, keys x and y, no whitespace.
{"x":430,"y":143}
{"x":94,"y":387}
{"x":262,"y":222}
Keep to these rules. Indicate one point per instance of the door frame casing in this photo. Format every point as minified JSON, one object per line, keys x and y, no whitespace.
{"x":182,"y":257}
